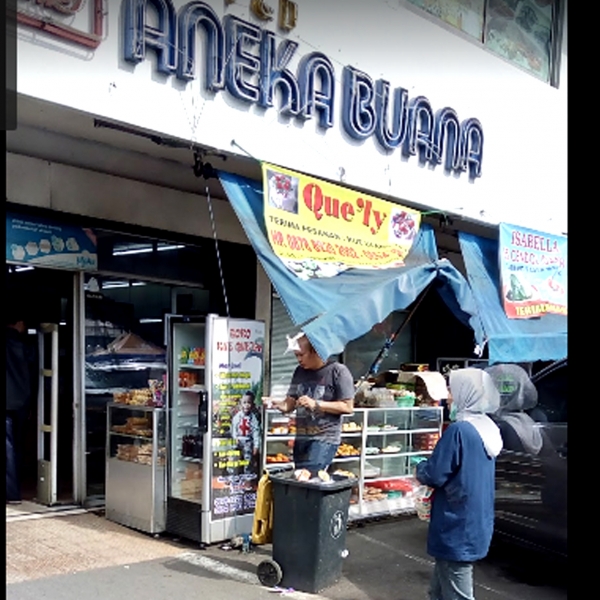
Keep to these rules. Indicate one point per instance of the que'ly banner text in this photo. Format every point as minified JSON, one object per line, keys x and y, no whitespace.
{"x":319,"y":229}
{"x":533,"y":268}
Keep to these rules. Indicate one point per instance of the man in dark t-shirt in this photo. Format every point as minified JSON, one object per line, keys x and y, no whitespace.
{"x":320,"y":392}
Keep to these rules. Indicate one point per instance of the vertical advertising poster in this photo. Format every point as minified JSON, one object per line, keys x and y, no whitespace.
{"x":237,"y":375}
{"x":533,"y":272}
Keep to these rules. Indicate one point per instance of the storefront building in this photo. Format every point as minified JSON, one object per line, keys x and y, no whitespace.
{"x":458,"y":113}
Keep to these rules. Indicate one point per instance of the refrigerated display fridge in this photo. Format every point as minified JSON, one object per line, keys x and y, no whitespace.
{"x":214,"y":425}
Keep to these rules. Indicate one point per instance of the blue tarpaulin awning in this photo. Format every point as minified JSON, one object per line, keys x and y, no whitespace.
{"x":509,"y":340}
{"x":336,"y":310}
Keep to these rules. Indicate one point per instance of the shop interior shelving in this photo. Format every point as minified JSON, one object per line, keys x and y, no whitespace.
{"x":186,"y":442}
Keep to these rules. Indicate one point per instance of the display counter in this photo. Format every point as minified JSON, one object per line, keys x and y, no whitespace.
{"x":135,"y":466}
{"x":380,"y":448}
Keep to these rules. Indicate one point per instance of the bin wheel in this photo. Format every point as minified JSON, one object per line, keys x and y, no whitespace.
{"x":269,"y":573}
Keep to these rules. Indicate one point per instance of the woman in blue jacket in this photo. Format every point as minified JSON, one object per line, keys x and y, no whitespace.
{"x":461,"y":470}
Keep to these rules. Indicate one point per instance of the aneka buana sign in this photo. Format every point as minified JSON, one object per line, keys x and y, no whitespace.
{"x":251,"y":64}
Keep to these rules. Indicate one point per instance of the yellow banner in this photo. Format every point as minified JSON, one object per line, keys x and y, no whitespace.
{"x":319,"y":229}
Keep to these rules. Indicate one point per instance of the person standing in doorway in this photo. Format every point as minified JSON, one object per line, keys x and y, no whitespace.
{"x":320,"y":392}
{"x":20,"y":388}
{"x":461,"y":471}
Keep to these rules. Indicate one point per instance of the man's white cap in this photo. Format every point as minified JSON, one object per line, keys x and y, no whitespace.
{"x":292,"y":342}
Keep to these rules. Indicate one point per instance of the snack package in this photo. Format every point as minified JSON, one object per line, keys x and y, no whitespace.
{"x":157,"y":388}
{"x":302,"y":475}
{"x":423,"y":496}
{"x":324,"y":476}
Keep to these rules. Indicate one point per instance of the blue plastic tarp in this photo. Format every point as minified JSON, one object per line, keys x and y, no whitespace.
{"x":509,"y":340}
{"x":336,"y":310}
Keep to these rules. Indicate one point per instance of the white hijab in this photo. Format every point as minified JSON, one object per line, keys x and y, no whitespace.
{"x":474,"y":394}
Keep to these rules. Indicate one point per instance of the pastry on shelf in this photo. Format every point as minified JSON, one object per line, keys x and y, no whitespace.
{"x":347,"y":450}
{"x":343,"y":473}
{"x":351,"y":427}
{"x":277,"y":458}
{"x":122,"y":397}
{"x":391,"y":449}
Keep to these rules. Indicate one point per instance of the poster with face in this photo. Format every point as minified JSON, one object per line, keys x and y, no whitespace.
{"x":237,"y":375}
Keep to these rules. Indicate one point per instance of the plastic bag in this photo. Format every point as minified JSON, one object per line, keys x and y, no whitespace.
{"x":423,"y":498}
{"x":262,"y":528}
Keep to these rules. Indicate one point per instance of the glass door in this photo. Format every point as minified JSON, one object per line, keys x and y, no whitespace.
{"x":188,"y":405}
{"x":121,"y":365}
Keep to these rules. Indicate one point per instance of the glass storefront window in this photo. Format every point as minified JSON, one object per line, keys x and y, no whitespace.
{"x":124,"y":348}
{"x":521,"y":31}
{"x":465,"y":15}
{"x":139,"y":281}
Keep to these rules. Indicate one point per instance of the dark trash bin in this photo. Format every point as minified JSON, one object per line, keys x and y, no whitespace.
{"x":309,"y":533}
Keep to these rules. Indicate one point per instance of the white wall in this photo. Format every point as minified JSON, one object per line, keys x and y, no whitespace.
{"x":524,"y":173}
{"x":44,"y":184}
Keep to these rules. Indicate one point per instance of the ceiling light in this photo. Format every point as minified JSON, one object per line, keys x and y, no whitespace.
{"x":126,"y":249}
{"x":145,"y":321}
{"x":139,"y":250}
{"x":109,"y":285}
{"x":169,"y":247}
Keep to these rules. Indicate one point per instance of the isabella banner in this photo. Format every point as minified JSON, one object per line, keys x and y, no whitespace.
{"x":319,"y":229}
{"x":533,"y":270}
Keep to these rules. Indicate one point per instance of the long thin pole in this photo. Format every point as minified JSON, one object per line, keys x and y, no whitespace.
{"x":374,"y":368}
{"x":54,"y":415}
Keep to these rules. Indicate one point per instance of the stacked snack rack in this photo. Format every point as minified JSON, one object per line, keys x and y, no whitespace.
{"x":135,"y":466}
{"x":379,"y":447}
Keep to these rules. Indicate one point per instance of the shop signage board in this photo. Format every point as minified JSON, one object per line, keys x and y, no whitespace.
{"x":237,"y":379}
{"x":46,"y":243}
{"x":264,"y":67}
{"x":252,"y":63}
{"x":319,"y":229}
{"x":533,"y":272}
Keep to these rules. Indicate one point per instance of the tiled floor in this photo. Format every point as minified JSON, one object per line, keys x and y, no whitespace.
{"x":29,"y":509}
{"x":41,"y":544}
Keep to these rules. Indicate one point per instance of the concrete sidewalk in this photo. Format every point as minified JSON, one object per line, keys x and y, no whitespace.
{"x":65,"y":544}
{"x":84,"y":556}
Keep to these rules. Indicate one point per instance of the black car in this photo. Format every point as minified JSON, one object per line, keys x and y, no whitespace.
{"x":531,"y":488}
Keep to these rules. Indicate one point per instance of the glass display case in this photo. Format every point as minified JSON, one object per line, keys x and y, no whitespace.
{"x":394,"y":439}
{"x":136,"y":466}
{"x":187,"y":392}
{"x":215,"y":379}
{"x":379,"y":447}
{"x":118,"y":363}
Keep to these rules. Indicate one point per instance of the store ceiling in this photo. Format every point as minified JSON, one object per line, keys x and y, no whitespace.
{"x":60,"y":134}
